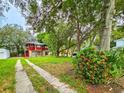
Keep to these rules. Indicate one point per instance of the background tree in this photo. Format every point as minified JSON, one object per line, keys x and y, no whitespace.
{"x":57,"y":39}
{"x":41,"y":36}
{"x":13,"y":38}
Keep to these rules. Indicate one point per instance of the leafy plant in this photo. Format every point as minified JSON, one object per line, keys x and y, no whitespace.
{"x":97,"y":67}
{"x":121,"y":55}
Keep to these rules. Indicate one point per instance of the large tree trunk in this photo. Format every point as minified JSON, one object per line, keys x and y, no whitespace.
{"x":107,"y":17}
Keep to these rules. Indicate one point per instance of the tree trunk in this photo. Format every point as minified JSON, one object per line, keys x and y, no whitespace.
{"x":107,"y":17}
{"x":69,"y":45}
{"x":57,"y":52}
{"x":78,"y":38}
{"x":18,"y":50}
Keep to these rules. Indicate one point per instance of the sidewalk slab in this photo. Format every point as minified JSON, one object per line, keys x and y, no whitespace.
{"x":23,"y":84}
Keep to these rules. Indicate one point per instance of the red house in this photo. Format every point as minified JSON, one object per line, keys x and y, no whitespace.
{"x":34,"y":49}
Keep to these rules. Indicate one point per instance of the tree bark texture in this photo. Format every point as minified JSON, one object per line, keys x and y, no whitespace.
{"x":107,"y":17}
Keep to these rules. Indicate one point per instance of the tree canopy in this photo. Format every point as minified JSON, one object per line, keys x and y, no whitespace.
{"x":87,"y":19}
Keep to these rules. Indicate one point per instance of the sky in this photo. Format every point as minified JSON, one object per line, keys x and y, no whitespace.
{"x":13,"y":16}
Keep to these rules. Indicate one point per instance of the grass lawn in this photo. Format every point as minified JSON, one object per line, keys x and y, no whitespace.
{"x":62,"y":68}
{"x":7,"y":75}
{"x":51,"y":59}
{"x":39,"y":83}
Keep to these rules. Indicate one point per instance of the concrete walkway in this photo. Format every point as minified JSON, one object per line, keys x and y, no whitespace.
{"x":61,"y":87}
{"x":23,"y":84}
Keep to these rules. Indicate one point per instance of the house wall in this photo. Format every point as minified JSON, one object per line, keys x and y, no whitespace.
{"x":37,"y":53}
{"x":30,"y":53}
{"x":34,"y":50}
{"x":4,"y":53}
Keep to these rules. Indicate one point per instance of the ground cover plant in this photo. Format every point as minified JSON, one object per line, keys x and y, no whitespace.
{"x":7,"y":75}
{"x":121,"y":54}
{"x":39,"y":83}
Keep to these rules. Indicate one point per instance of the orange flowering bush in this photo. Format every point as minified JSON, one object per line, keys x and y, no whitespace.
{"x":96,"y":66}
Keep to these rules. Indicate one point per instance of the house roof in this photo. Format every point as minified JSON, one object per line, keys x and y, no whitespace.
{"x":36,"y":43}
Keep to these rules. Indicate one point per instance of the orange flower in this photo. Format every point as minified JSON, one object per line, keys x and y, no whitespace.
{"x":106,"y":59}
{"x":94,"y":48}
{"x":86,"y":59}
{"x":101,"y":53}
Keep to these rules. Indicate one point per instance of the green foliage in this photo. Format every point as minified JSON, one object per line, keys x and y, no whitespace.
{"x":33,"y":7}
{"x":51,"y":40}
{"x":41,"y":36}
{"x":121,"y":54}
{"x":119,"y":33}
{"x":120,"y":6}
{"x":97,"y":66}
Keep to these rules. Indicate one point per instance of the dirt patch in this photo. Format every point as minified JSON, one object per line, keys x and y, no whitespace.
{"x":7,"y":86}
{"x":121,"y":82}
{"x":113,"y":88}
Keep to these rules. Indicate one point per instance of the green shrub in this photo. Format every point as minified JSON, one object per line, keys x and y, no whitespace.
{"x":97,"y":66}
{"x":121,"y":54}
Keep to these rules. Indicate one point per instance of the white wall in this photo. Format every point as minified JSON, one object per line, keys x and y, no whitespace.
{"x":4,"y":53}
